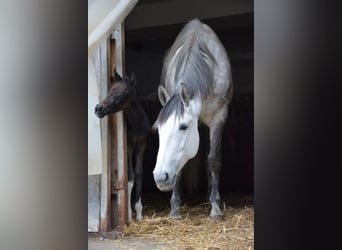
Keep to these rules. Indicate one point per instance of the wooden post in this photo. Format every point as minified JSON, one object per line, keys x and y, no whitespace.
{"x":118,"y":135}
{"x":106,"y":173}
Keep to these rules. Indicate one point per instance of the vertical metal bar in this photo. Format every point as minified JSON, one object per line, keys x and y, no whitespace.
{"x":105,"y":176}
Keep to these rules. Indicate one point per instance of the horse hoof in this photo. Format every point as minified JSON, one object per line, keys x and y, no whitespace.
{"x":175,"y":217}
{"x":216,"y":217}
{"x":139,"y":218}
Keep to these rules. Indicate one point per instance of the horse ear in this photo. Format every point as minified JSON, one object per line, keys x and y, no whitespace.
{"x":117,"y":77}
{"x":163,"y":95}
{"x":133,"y":79}
{"x":184,"y":95}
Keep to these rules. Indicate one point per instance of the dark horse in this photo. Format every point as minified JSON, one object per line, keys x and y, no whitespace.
{"x":196,"y":84}
{"x":123,"y":96}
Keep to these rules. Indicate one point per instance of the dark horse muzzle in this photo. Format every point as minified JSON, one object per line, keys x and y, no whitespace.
{"x":116,"y":104}
{"x":99,"y":111}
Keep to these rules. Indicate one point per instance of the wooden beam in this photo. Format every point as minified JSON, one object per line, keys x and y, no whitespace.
{"x":106,"y":173}
{"x":119,"y":167}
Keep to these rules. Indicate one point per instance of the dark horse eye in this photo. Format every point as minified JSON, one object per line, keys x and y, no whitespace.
{"x":183,"y":127}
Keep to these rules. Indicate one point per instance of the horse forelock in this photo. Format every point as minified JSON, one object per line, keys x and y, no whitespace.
{"x":176,"y":105}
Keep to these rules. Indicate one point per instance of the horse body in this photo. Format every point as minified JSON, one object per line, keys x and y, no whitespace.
{"x":123,"y":96}
{"x":195,"y":85}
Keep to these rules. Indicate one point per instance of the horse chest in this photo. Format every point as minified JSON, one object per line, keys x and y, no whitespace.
{"x":209,"y":109}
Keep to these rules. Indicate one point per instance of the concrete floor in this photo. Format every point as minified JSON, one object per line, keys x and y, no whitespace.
{"x":131,"y":243}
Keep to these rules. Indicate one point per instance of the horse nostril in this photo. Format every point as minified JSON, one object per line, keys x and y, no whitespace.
{"x":166,"y":176}
{"x":98,"y":109}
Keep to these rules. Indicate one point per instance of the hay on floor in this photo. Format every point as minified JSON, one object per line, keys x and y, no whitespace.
{"x":195,"y":230}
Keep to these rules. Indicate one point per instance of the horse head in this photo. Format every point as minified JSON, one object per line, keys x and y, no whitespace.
{"x":118,"y":96}
{"x":177,"y":126}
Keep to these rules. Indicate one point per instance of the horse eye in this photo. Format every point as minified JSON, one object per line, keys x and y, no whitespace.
{"x":118,"y":95}
{"x":183,"y":127}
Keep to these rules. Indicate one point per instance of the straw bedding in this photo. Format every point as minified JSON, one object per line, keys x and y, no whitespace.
{"x":195,"y":230}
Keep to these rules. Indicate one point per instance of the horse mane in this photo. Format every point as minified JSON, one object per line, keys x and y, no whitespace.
{"x":192,"y":60}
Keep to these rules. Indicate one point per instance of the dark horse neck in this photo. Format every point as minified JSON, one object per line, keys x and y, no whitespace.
{"x":136,"y":119}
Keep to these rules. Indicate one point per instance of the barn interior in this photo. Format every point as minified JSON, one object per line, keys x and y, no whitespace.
{"x":150,"y":30}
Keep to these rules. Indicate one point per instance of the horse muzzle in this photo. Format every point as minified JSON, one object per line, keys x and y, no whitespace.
{"x":99,"y":111}
{"x":163,"y":180}
{"x":165,"y":188}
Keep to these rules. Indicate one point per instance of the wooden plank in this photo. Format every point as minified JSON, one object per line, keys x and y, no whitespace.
{"x":94,"y":127}
{"x":106,"y":173}
{"x":112,"y":145}
{"x":94,"y":148}
{"x":112,"y":58}
{"x":94,"y":196}
{"x":119,"y":134}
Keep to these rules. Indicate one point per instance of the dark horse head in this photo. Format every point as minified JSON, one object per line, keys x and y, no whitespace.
{"x":118,"y":97}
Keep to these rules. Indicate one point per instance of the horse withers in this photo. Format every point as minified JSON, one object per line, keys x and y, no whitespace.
{"x":196,"y":84}
{"x":123,"y":96}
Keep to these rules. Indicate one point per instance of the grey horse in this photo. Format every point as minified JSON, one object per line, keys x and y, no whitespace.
{"x":196,"y":84}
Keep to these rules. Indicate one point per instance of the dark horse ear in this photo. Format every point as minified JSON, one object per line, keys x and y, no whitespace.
{"x":163,"y":95}
{"x":117,"y":77}
{"x":133,"y":79}
{"x":184,"y":95}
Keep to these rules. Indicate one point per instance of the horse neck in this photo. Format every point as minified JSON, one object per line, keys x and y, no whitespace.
{"x":130,"y":113}
{"x":196,"y":106}
{"x":133,"y":112}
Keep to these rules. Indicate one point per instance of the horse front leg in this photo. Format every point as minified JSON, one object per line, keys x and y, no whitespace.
{"x":131,"y":178}
{"x":214,"y":164}
{"x":139,"y":179}
{"x":215,"y":167}
{"x":176,"y":198}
